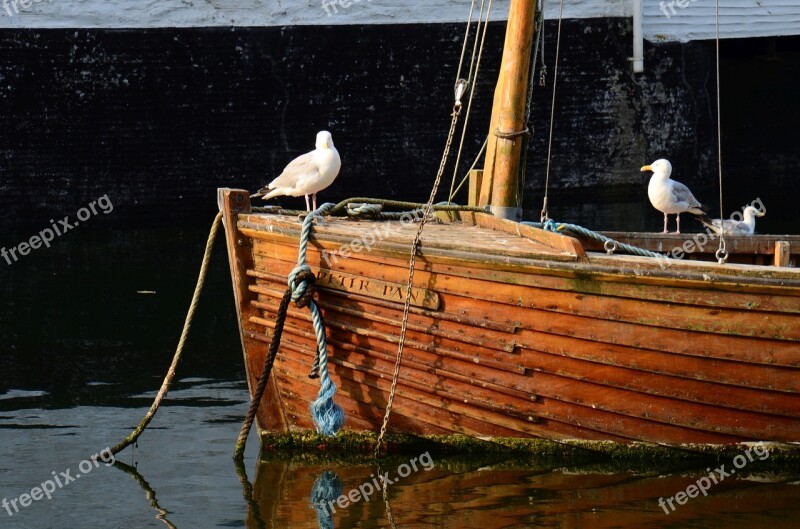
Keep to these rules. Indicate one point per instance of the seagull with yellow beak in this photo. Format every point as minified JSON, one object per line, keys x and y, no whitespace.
{"x":307,"y":174}
{"x":669,"y":196}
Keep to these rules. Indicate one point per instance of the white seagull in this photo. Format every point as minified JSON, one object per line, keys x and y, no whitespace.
{"x":307,"y":174}
{"x":669,"y":196}
{"x":735,"y":227}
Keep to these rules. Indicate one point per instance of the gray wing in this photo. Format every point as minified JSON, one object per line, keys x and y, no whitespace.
{"x":298,"y":169}
{"x":730,"y":226}
{"x":682,"y":194}
{"x":736,"y":227}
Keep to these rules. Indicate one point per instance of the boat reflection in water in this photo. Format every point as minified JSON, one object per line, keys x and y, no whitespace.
{"x":477,"y":493}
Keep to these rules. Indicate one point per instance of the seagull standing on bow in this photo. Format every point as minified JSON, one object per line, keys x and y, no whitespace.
{"x":307,"y":174}
{"x":669,"y":196}
{"x":733,"y":226}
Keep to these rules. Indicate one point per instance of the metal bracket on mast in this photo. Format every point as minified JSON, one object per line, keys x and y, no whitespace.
{"x":508,"y":213}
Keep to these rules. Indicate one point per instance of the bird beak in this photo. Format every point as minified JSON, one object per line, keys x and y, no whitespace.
{"x":760,"y":214}
{"x":646,"y":168}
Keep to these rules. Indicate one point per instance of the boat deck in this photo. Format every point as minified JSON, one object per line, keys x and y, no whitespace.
{"x":355,"y":236}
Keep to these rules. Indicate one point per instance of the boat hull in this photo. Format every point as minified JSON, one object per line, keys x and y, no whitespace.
{"x":516,"y":332}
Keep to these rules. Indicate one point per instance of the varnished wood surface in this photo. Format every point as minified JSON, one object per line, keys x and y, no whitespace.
{"x":749,"y":249}
{"x":537,"y":338}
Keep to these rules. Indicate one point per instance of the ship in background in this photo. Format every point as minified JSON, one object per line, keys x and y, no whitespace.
{"x":159,"y":103}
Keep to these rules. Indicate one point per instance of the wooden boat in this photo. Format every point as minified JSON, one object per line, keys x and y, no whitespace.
{"x":519,"y":332}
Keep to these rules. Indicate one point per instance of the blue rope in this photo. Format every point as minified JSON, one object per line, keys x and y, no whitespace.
{"x":327,"y":488}
{"x":328,"y":416}
{"x":550,"y":225}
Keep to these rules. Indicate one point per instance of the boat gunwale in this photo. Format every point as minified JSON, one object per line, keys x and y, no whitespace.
{"x":711,"y":275}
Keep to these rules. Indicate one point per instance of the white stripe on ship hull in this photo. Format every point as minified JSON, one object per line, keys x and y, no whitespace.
{"x":201,"y":13}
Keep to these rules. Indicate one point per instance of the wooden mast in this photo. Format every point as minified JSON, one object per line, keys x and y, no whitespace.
{"x":502,"y":168}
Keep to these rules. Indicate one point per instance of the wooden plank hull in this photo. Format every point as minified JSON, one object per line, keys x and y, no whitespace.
{"x":528,"y":336}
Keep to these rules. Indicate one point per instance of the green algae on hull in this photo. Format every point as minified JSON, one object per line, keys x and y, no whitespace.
{"x":781,"y":455}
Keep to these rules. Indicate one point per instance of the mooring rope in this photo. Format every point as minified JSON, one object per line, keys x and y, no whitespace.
{"x":134,"y":435}
{"x":325,"y":491}
{"x":274,"y":345}
{"x":610,"y":244}
{"x":328,"y":417}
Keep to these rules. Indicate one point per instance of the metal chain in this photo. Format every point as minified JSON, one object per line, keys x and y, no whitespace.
{"x":385,"y":490}
{"x":411,"y":268}
{"x":537,"y":34}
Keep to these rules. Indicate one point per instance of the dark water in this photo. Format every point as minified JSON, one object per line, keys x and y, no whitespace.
{"x":87,"y":330}
{"x":182,"y":475}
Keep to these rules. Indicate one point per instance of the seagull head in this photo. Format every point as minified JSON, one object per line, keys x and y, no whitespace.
{"x":324,"y":140}
{"x":750,"y":212}
{"x":660,"y":167}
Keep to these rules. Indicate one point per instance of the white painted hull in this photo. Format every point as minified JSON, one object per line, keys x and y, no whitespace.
{"x":662,"y":20}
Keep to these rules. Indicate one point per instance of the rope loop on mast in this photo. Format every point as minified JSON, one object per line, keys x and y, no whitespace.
{"x":512,"y":135}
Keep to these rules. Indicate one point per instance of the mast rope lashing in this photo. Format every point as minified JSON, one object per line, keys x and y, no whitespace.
{"x":512,"y":135}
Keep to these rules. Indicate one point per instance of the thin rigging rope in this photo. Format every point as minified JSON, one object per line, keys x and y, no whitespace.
{"x":466,"y":39}
{"x":544,"y":214}
{"x":474,"y":81}
{"x":466,"y":176}
{"x":722,"y":252}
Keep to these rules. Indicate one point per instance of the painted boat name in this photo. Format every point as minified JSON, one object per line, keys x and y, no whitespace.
{"x":420,"y":297}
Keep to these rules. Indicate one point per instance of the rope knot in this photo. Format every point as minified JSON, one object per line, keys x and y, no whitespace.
{"x":301,"y":283}
{"x":367,"y":210}
{"x":550,"y":225}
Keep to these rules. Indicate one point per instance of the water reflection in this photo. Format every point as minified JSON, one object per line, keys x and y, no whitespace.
{"x":150,"y":493}
{"x":465,"y":492}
